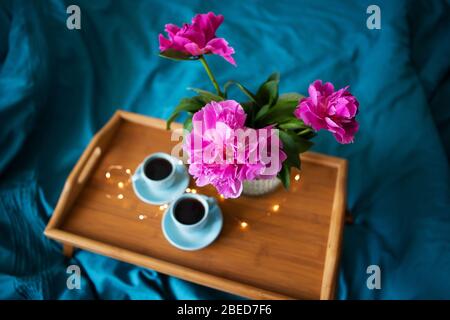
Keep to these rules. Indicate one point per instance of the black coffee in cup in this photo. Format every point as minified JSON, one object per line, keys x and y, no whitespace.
{"x":158,"y":169}
{"x":189,"y":211}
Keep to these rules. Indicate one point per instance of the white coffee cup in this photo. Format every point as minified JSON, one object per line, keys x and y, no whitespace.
{"x":162,"y":174}
{"x":196,"y":222}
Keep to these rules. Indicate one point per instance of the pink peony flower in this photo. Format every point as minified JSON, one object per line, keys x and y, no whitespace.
{"x":332,"y":110}
{"x":197,"y":38}
{"x":218,"y":154}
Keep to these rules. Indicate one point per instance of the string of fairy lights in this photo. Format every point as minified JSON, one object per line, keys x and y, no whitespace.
{"x":119,"y":178}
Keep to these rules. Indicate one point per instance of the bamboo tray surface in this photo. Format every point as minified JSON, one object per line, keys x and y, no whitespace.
{"x":289,"y":247}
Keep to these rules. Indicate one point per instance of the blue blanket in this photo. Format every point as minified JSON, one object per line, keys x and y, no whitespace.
{"x":59,"y":86}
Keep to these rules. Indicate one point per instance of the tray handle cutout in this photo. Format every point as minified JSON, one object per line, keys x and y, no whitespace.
{"x":89,"y":165}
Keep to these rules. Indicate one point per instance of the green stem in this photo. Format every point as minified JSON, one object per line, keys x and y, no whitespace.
{"x":305,"y":131}
{"x":210,"y":75}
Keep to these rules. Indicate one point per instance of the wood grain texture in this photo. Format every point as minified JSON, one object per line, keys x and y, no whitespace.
{"x":289,"y":249}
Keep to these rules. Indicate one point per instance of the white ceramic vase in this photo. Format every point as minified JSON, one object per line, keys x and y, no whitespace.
{"x":260,"y":187}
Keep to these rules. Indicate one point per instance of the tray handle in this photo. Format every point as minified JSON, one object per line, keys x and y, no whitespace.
{"x":89,"y":165}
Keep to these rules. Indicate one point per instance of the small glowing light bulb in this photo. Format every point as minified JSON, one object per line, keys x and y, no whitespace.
{"x":222,"y":196}
{"x":120,"y":184}
{"x":297,"y":177}
{"x":163,"y":207}
{"x":194,"y":191}
{"x":120,"y":196}
{"x":128,"y":171}
{"x":142,"y":217}
{"x":108,"y":175}
{"x":244,"y":225}
{"x":276,"y":207}
{"x":188,"y":190}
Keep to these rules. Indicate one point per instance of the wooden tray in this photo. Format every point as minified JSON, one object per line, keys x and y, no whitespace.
{"x":283,"y":245}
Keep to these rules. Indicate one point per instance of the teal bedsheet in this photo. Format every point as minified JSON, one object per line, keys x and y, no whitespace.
{"x":59,"y":86}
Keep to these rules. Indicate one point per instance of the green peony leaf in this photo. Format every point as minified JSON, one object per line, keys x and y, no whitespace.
{"x":283,"y":110}
{"x":191,"y":105}
{"x":176,"y":55}
{"x":187,"y":125}
{"x":293,"y":124}
{"x":268,"y":93}
{"x":274,"y":76}
{"x":285,"y":175}
{"x":293,"y":145}
{"x":262,"y":112}
{"x":303,"y":145}
{"x":306,"y":131}
{"x":248,"y":107}
{"x":290,"y":148}
{"x":308,"y":135}
{"x":244,"y":90}
{"x":207,"y":95}
{"x":291,"y":96}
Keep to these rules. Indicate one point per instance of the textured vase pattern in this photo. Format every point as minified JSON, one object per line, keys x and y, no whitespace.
{"x":260,"y":187}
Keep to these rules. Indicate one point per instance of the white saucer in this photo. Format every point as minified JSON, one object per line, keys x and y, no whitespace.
{"x":160,"y":196}
{"x":195,"y":240}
